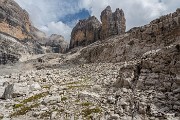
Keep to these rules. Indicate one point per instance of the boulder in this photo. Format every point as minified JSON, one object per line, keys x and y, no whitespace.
{"x":8,"y":92}
{"x":35,"y":86}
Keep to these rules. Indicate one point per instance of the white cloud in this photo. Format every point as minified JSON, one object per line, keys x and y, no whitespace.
{"x":57,"y":28}
{"x":45,"y":14}
{"x":137,"y":12}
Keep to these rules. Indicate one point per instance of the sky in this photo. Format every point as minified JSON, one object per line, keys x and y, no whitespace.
{"x":60,"y":16}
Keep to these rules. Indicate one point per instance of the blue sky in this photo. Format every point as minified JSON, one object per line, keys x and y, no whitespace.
{"x":60,"y":16}
{"x":71,"y":18}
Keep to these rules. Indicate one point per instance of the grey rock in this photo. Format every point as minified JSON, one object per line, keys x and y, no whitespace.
{"x":114,"y":117}
{"x":8,"y":92}
{"x":85,"y":32}
{"x":112,"y":23}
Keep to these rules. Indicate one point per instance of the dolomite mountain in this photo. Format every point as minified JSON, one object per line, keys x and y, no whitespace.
{"x":114,"y":75}
{"x":19,"y":38}
{"x":90,"y":30}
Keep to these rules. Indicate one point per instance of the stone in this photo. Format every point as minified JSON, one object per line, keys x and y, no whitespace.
{"x":14,"y":90}
{"x":52,"y":99}
{"x":35,"y":86}
{"x":20,"y":89}
{"x":53,"y":89}
{"x":53,"y":115}
{"x":2,"y":89}
{"x":111,"y":100}
{"x":114,"y":117}
{"x":8,"y":92}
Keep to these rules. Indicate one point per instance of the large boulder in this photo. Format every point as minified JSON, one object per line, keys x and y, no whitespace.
{"x":14,"y":90}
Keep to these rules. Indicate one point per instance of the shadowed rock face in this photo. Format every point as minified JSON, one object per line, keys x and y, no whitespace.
{"x":85,"y":32}
{"x":160,"y":33}
{"x":14,"y":20}
{"x":57,"y":44}
{"x":112,"y":23}
{"x":90,"y":30}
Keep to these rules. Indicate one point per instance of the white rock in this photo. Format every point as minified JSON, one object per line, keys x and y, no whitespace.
{"x":53,"y":115}
{"x":45,"y":109}
{"x":2,"y":89}
{"x":8,"y":92}
{"x":20,"y":89}
{"x":53,"y":88}
{"x":35,"y":86}
{"x":88,"y":94}
{"x":111,"y":99}
{"x":52,"y":98}
{"x":114,"y":117}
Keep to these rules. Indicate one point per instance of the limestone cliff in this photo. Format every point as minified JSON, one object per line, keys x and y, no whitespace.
{"x":90,"y":30}
{"x":14,"y":20}
{"x":56,"y":44}
{"x":162,"y":32}
{"x":112,"y":23}
{"x":85,"y":32}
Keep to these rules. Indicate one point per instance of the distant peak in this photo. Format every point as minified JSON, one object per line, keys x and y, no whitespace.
{"x":108,"y":8}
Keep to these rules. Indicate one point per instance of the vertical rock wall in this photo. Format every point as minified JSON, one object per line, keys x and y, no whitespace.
{"x":112,"y":23}
{"x":90,"y":30}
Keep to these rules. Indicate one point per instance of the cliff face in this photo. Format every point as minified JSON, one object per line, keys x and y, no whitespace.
{"x":14,"y":20}
{"x":160,"y":33}
{"x":150,"y":68}
{"x":19,"y":39}
{"x":112,"y":23}
{"x":56,"y":44}
{"x":85,"y":32}
{"x":91,"y":30}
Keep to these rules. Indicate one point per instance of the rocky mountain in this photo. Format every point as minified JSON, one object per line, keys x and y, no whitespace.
{"x":112,"y":23}
{"x":90,"y":30}
{"x":132,"y":75}
{"x":85,"y":32}
{"x":160,"y":33}
{"x":56,"y":43}
{"x":14,"y":20}
{"x":19,"y":39}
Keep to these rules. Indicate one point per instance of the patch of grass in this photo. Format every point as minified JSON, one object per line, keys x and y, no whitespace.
{"x":86,"y":104}
{"x":33,"y":98}
{"x":18,"y":106}
{"x":48,"y":113}
{"x":24,"y":110}
{"x":46,"y":86}
{"x":61,"y":110}
{"x":77,"y":101}
{"x":86,"y":112}
{"x":1,"y":117}
{"x":64,"y":98}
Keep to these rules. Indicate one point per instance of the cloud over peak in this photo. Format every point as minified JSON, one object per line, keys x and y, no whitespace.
{"x":59,"y":16}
